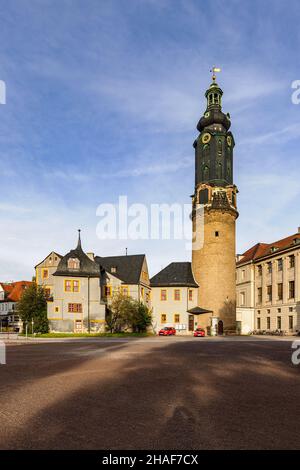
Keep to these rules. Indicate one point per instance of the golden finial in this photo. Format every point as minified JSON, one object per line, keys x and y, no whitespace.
{"x":213,"y":71}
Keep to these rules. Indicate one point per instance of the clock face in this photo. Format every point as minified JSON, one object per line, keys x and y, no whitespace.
{"x":206,"y":115}
{"x":206,"y":138}
{"x":229,"y":140}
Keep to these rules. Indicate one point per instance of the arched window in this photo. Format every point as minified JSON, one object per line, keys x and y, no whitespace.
{"x":206,"y":152}
{"x":220,"y":147}
{"x":206,"y":173}
{"x":73,"y":263}
{"x":219,"y":171}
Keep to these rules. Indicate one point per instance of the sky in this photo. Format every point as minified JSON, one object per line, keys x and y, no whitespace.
{"x":102,"y":100}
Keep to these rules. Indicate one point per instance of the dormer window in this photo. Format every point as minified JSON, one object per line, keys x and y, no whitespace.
{"x":273,"y":248}
{"x":73,"y":263}
{"x":114,"y":269}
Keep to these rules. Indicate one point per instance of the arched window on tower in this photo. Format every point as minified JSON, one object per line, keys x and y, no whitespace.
{"x":219,"y":171}
{"x":206,"y":173}
{"x":206,"y":152}
{"x":210,"y":98}
{"x":220,"y":147}
{"x":216,"y":98}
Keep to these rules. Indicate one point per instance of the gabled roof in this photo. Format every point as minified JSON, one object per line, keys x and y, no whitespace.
{"x":128,"y":267}
{"x":54,"y":252}
{"x":14,"y":290}
{"x":175,"y":274}
{"x":261,"y":250}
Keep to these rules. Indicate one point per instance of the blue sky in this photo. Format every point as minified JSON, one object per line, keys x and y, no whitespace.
{"x":103,"y":98}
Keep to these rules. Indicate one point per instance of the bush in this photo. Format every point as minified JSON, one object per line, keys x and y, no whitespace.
{"x":33,"y":308}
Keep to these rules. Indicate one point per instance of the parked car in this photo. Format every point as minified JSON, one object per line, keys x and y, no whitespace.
{"x":199,"y":332}
{"x":167,"y":331}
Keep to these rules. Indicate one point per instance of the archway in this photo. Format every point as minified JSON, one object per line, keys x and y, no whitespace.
{"x":220,"y":327}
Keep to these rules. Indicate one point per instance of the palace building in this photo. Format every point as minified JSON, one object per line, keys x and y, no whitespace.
{"x":268,"y":286}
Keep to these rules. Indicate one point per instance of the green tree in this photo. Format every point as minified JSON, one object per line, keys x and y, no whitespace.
{"x":33,"y":307}
{"x":140,"y":317}
{"x":118,"y":312}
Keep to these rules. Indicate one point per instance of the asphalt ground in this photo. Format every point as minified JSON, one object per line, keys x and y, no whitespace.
{"x":150,"y":393}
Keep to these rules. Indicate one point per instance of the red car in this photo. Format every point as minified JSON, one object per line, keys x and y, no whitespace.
{"x":167,"y":331}
{"x":199,"y":332}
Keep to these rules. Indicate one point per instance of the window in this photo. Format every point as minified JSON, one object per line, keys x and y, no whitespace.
{"x":114,"y":269}
{"x":269,"y":293}
{"x":177,"y":318}
{"x":279,"y":310}
{"x":259,"y":270}
{"x":142,"y":292}
{"x":258,"y":312}
{"x":176,"y":294}
{"x":279,"y":264}
{"x":269,"y":267}
{"x":291,"y":322}
{"x":73,"y":263}
{"x":243,"y":274}
{"x":268,"y":311}
{"x":280,"y":290}
{"x":268,"y":323}
{"x":45,"y":273}
{"x":279,"y":323}
{"x":125,"y":290}
{"x":216,"y":234}
{"x":190,"y":295}
{"x":147,"y":297}
{"x":144,"y":276}
{"x":47,"y":291}
{"x":56,"y":309}
{"x":68,"y":286}
{"x":291,"y":309}
{"x":258,"y":323}
{"x":107,"y":291}
{"x":75,"y":286}
{"x":259,"y":295}
{"x":72,"y":286}
{"x":292,"y":261}
{"x":291,"y":289}
{"x":163,"y":294}
{"x":163,"y":318}
{"x":75,"y":308}
{"x":243,"y":298}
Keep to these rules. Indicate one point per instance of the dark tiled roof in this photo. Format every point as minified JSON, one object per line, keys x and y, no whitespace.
{"x":264,"y":249}
{"x":175,"y":274}
{"x":88,"y":268}
{"x":128,"y":268}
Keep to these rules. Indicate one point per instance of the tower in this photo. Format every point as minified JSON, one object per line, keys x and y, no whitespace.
{"x":214,"y":215}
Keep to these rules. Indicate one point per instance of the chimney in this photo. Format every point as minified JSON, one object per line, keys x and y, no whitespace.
{"x":91,"y":256}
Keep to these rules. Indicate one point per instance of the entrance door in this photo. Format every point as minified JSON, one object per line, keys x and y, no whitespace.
{"x":220,"y":327}
{"x":78,"y":326}
{"x":191,"y":322}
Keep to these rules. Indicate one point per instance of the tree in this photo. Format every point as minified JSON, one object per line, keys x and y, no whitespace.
{"x":119,"y":312}
{"x":140,"y":317}
{"x":33,"y":307}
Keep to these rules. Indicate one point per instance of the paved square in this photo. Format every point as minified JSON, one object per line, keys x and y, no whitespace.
{"x":153,"y":393}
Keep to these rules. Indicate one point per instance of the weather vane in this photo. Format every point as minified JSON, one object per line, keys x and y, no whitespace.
{"x":214,"y":70}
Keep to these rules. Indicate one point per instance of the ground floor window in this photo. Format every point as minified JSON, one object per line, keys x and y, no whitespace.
{"x":279,"y":323}
{"x":291,"y":322}
{"x":177,"y":318}
{"x":75,"y":308}
{"x":268,"y":323}
{"x":78,"y":326}
{"x":258,"y":323}
{"x":163,"y":318}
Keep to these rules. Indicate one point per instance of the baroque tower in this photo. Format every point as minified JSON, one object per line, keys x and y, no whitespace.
{"x":214,"y":215}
